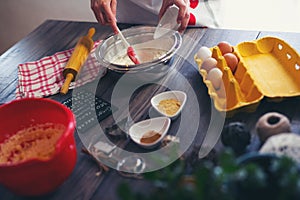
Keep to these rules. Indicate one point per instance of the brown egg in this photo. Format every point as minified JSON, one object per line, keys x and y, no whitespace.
{"x":215,"y":77}
{"x":208,"y":64}
{"x":231,"y":60}
{"x":225,"y":47}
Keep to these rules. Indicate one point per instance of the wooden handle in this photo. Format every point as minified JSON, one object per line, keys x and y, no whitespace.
{"x":65,"y":88}
{"x":91,"y":32}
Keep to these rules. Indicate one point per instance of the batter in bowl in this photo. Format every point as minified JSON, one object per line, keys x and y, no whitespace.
{"x":145,"y":55}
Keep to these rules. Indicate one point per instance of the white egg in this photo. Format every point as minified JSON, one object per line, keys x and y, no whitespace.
{"x":221,"y":91}
{"x":204,"y":52}
{"x":208,"y":64}
{"x":215,"y":77}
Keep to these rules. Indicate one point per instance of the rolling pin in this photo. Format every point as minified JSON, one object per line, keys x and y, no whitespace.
{"x":78,"y":57}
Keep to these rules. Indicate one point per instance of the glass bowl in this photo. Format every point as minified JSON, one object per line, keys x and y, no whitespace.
{"x":155,"y":54}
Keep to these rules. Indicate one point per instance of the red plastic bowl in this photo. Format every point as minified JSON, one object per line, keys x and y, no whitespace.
{"x":36,"y":177}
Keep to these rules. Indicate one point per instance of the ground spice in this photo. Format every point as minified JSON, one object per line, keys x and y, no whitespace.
{"x":37,"y":141}
{"x":150,"y":137}
{"x":169,"y":106}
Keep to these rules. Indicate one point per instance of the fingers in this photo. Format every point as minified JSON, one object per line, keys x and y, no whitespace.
{"x":110,"y":14}
{"x":183,"y":14}
{"x":96,"y":9}
{"x":165,"y":5}
{"x":105,"y":12}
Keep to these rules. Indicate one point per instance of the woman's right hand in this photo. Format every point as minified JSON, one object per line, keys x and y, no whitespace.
{"x":105,"y":12}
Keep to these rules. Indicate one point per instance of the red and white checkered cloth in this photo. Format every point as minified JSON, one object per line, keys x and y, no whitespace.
{"x":44,"y":77}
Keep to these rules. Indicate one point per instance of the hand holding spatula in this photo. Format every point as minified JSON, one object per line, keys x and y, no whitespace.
{"x":130,"y":51}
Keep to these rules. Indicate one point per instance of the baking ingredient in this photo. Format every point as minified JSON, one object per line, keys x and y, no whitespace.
{"x":231,"y":60}
{"x":35,"y":142}
{"x":225,"y":47}
{"x":215,"y":77}
{"x":150,"y":137}
{"x":169,"y":106}
{"x":145,"y":55}
{"x":208,"y":64}
{"x":204,"y":53}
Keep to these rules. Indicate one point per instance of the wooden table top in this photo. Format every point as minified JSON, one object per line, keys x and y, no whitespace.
{"x":53,"y":36}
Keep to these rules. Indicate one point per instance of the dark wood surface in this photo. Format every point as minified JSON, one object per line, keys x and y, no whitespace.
{"x":53,"y":36}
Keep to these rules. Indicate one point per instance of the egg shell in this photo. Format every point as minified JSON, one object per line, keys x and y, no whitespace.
{"x":208,"y":64}
{"x":225,"y":47}
{"x":231,"y":60}
{"x":215,"y":77}
{"x":204,"y":52}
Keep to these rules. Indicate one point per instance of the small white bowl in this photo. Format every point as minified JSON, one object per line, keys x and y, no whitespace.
{"x":178,"y":95}
{"x":159,"y":125}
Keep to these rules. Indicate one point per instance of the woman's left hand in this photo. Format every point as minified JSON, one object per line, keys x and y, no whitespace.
{"x":183,"y":14}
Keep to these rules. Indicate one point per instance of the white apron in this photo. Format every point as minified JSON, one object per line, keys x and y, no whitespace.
{"x":138,"y":11}
{"x":203,"y":12}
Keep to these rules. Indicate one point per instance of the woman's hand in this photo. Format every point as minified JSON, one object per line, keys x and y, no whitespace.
{"x":105,"y":12}
{"x":183,"y":14}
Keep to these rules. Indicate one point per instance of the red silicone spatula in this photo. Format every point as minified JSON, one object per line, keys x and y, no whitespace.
{"x":130,"y":51}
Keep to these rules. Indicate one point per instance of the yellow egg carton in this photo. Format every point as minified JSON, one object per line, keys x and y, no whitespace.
{"x":268,"y":67}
